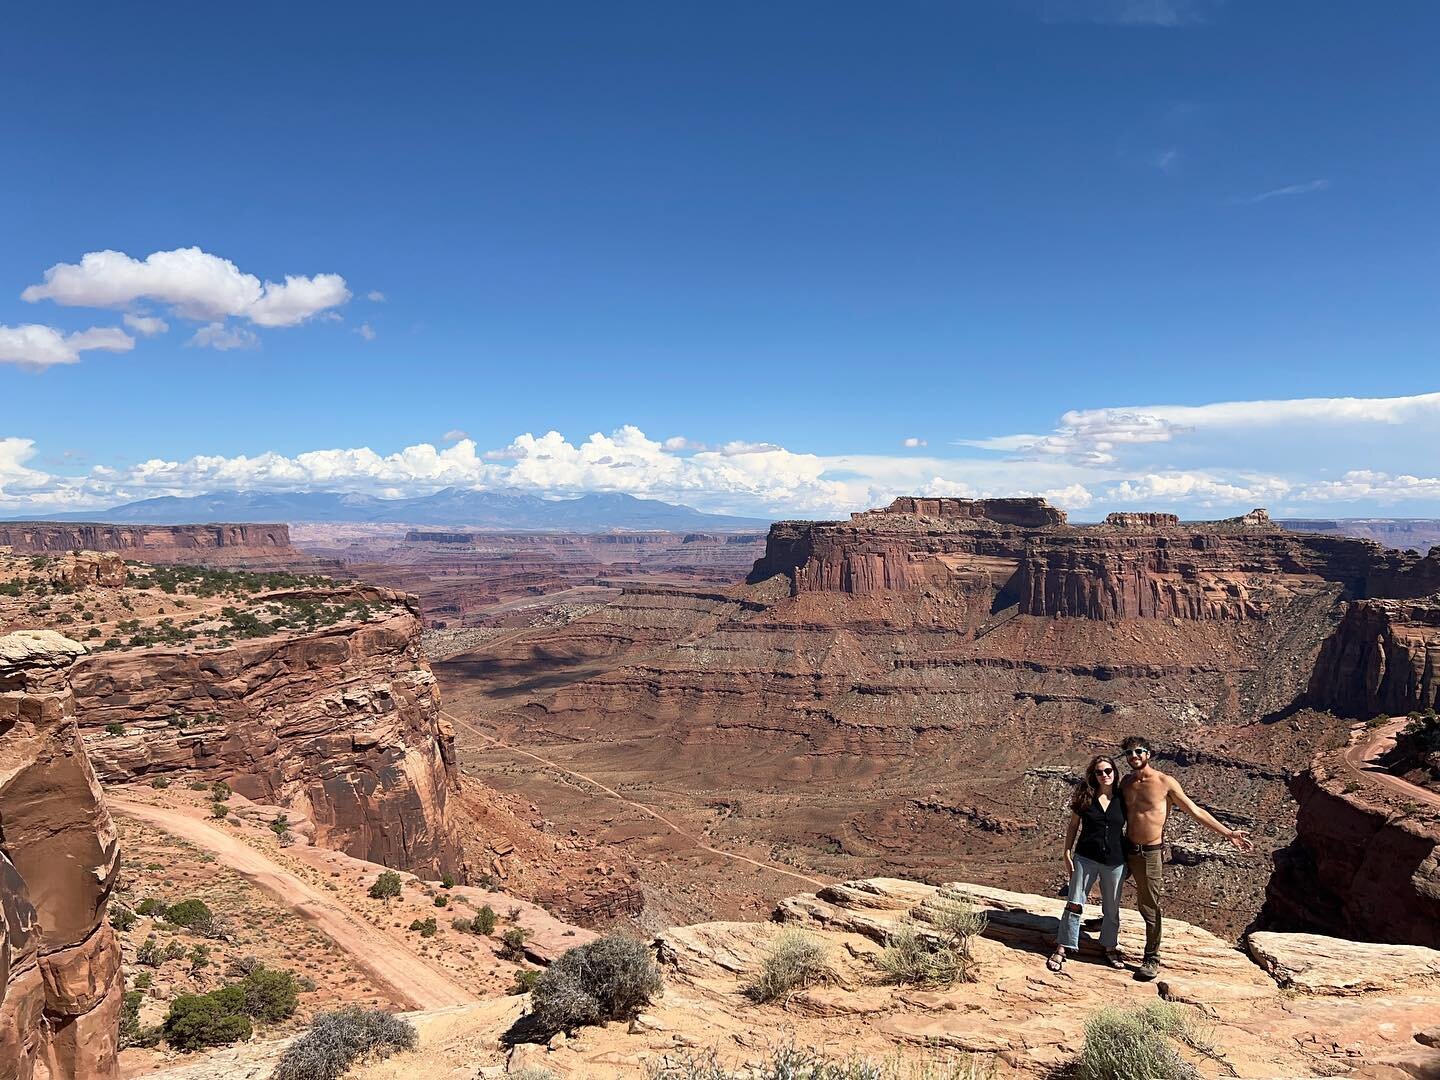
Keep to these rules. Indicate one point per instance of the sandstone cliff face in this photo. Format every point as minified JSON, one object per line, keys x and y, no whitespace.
{"x":176,"y":543}
{"x":1357,"y":868}
{"x":342,"y":725}
{"x":59,"y":962}
{"x":1384,"y":658}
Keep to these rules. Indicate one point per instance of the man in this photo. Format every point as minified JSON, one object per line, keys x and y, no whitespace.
{"x":1148,"y":794}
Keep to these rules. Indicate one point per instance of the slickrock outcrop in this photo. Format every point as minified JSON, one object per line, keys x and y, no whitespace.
{"x":341,"y":724}
{"x":218,"y":545}
{"x":59,"y":963}
{"x":1326,"y":965}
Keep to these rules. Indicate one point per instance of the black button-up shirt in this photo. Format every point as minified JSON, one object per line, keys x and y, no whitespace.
{"x":1102,"y":832}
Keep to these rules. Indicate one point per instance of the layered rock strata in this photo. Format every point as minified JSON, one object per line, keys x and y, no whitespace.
{"x":214,"y":544}
{"x":1383,"y":659}
{"x":341,"y":725}
{"x":59,"y":856}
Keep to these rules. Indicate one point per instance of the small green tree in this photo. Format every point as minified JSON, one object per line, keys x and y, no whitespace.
{"x":484,"y":921}
{"x":196,"y":1021}
{"x":386,"y":887}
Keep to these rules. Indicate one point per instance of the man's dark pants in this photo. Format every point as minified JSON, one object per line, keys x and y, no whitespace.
{"x":1144,"y":863}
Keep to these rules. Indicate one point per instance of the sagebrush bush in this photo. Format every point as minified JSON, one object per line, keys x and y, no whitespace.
{"x":937,"y":954}
{"x":512,"y":944}
{"x":609,"y":978}
{"x":338,"y":1040}
{"x":426,"y":927}
{"x":531,"y":1072}
{"x":121,"y":917}
{"x":1134,"y":1044}
{"x":386,"y":886}
{"x":795,"y":960}
{"x":794,"y":1063}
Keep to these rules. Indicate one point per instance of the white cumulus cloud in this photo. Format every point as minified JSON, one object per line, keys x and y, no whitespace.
{"x":146,"y":325}
{"x":194,"y":284}
{"x":913,"y":442}
{"x":35,"y":346}
{"x":224,"y":338}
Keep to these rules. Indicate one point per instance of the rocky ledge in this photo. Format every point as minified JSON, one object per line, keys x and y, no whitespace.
{"x":60,"y":985}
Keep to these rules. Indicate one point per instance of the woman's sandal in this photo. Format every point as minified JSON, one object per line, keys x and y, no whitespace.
{"x":1056,"y":961}
{"x":1115,"y":958}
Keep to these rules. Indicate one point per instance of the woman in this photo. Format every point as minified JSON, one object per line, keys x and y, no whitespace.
{"x":1094,"y":850}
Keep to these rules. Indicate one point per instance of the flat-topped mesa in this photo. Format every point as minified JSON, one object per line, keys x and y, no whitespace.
{"x":225,"y":545}
{"x":1125,"y":520}
{"x":60,"y":983}
{"x":1028,"y":513}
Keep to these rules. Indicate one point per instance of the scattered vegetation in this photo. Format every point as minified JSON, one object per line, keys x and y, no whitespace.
{"x":114,"y":729}
{"x":1135,"y":1044}
{"x":610,"y":978}
{"x":338,"y":1040}
{"x":386,"y":886}
{"x":447,"y":882}
{"x":512,"y":944}
{"x":220,"y":791}
{"x":121,"y":917}
{"x":225,"y":1015}
{"x":794,"y":1063}
{"x":192,"y":915}
{"x":218,"y":810}
{"x":152,"y":954}
{"x":484,"y":921}
{"x":160,"y":783}
{"x":525,"y":980}
{"x":795,"y":960}
{"x":426,"y":927}
{"x":150,"y":905}
{"x":937,"y":952}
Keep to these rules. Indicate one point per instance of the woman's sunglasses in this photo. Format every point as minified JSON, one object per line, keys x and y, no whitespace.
{"x":1104,"y":772}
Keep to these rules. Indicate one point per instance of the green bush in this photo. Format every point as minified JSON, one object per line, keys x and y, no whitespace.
{"x":144,"y":980}
{"x":151,"y":954}
{"x":220,"y":791}
{"x":387,"y":885}
{"x":192,"y":914}
{"x":937,"y":952}
{"x":160,"y":783}
{"x":150,"y":906}
{"x":461,"y":924}
{"x":447,"y":882}
{"x":441,"y":900}
{"x":427,"y":927}
{"x":338,"y":1040}
{"x":218,"y":810}
{"x":795,"y":960}
{"x":512,"y":944}
{"x":484,"y":921}
{"x":130,"y":1018}
{"x":281,"y":825}
{"x":270,"y":994}
{"x":198,"y":785}
{"x":1134,"y":1044}
{"x":115,"y":729}
{"x":196,"y":1021}
{"x":610,"y":978}
{"x":121,"y":917}
{"x":525,"y":980}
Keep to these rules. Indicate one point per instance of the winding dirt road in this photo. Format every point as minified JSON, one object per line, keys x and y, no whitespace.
{"x":1361,"y":760}
{"x":678,"y":830}
{"x":412,"y":982}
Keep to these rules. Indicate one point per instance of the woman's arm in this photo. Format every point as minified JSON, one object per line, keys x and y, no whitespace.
{"x":1070,"y":832}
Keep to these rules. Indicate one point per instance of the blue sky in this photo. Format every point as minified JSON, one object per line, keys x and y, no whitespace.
{"x":1030,"y":237}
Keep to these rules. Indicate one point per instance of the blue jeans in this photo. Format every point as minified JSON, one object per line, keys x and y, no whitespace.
{"x":1085,"y":875}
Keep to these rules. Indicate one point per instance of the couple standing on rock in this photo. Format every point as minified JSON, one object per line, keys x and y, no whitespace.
{"x":1118,"y":826}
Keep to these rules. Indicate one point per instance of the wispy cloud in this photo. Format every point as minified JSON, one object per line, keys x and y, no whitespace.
{"x":366,"y":331}
{"x":1167,"y":161}
{"x":1293,"y":189}
{"x":1162,"y":13}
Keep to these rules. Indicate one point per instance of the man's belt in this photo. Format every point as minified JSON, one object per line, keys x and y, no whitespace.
{"x":1145,"y":847}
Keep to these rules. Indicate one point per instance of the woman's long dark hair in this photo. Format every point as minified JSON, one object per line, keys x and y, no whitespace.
{"x":1089,"y":787}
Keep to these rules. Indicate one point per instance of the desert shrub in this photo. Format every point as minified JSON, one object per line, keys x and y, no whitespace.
{"x":1134,"y":1044}
{"x":152,"y":954}
{"x":199,"y":958}
{"x":795,"y":960}
{"x":150,"y":905}
{"x":386,"y":886}
{"x":144,"y":980}
{"x":426,"y":927}
{"x":220,"y":791}
{"x":115,"y":729}
{"x":192,"y":914}
{"x":484,"y":921}
{"x":160,"y":783}
{"x":609,"y":978}
{"x":448,"y":881}
{"x":442,"y":900}
{"x":121,"y":917}
{"x":281,"y":825}
{"x":241,"y":966}
{"x":196,"y":1021}
{"x":219,"y":810}
{"x":938,"y":955}
{"x":512,"y":944}
{"x":270,"y":994}
{"x":461,"y":924}
{"x":198,"y":785}
{"x":531,"y":1072}
{"x":338,"y":1040}
{"x":525,"y":980}
{"x":794,"y":1063}
{"x":130,"y":1017}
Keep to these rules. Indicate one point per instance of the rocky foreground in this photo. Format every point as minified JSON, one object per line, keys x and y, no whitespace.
{"x":1295,"y":1006}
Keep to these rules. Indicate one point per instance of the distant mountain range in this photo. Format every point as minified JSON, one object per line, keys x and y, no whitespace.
{"x":1421,"y":534}
{"x":452,"y":506}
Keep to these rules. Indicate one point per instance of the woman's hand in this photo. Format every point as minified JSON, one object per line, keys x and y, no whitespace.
{"x":1069,"y":865}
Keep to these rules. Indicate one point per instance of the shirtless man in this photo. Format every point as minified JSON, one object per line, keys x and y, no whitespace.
{"x":1149,"y":794}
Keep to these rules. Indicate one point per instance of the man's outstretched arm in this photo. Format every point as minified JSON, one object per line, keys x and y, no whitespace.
{"x":1200,"y":814}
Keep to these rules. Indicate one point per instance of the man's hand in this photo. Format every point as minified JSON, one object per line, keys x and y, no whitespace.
{"x":1240,"y":840}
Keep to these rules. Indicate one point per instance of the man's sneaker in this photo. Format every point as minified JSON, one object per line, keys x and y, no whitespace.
{"x":1148,"y":969}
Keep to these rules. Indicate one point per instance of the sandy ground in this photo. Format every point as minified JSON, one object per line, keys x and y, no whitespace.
{"x":391,"y":964}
